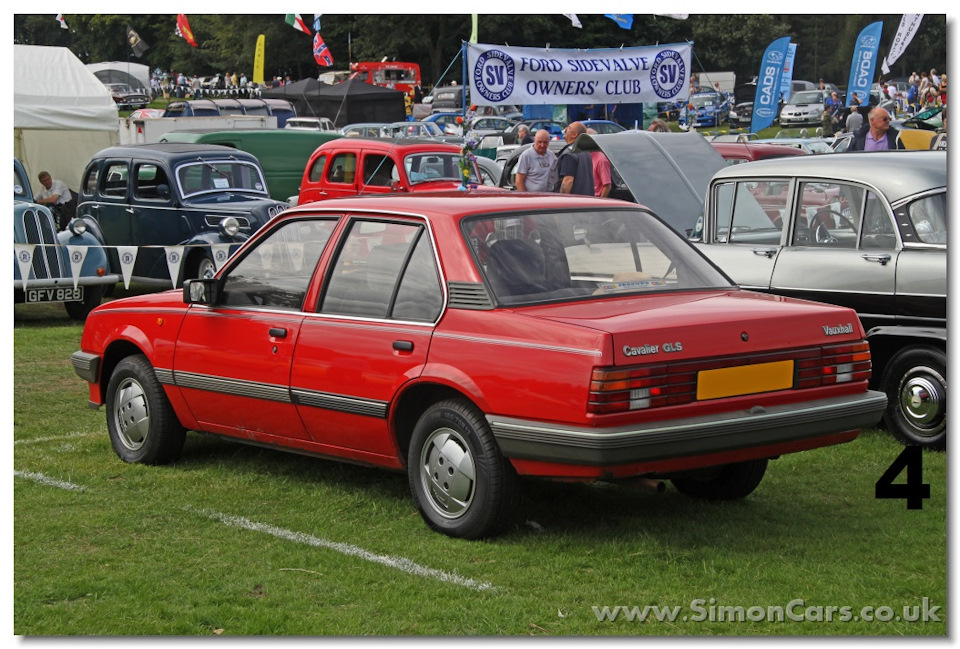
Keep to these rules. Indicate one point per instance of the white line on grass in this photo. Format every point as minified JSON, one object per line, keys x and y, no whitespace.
{"x":59,"y":438}
{"x":400,"y":563}
{"x":47,"y":480}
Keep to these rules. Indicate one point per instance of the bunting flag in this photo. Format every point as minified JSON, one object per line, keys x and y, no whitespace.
{"x":24,"y":253}
{"x":473,"y":31}
{"x":321,"y":52}
{"x":574,"y":20}
{"x":136,"y":43}
{"x":909,"y":24}
{"x":128,"y":257}
{"x":624,"y":20}
{"x":184,"y":31}
{"x":77,"y":254}
{"x":174,"y":256}
{"x":221,"y":253}
{"x":295,"y":21}
{"x":63,"y":23}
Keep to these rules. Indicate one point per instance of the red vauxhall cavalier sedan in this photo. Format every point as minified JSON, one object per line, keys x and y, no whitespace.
{"x":471,"y":340}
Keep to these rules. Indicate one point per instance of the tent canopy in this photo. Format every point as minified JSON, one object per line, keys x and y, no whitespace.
{"x":136,"y":75}
{"x":52,"y":89}
{"x":345,"y":103}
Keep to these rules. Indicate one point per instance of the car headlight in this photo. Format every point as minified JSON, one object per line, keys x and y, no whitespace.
{"x":77,"y":226}
{"x":230,"y":226}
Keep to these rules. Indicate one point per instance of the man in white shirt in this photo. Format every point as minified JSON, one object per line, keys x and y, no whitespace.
{"x":533,"y":167}
{"x":57,"y":197}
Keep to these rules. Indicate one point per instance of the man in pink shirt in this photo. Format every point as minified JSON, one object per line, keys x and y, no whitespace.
{"x":602,"y":182}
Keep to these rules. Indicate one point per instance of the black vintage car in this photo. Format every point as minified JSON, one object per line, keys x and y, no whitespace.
{"x":126,"y":97}
{"x":171,"y":211}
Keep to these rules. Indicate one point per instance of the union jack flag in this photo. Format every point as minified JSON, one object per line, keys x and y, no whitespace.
{"x":321,"y":52}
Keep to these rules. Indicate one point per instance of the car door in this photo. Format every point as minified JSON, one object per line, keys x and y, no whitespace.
{"x":232,"y":358}
{"x":110,"y":202}
{"x":843,"y":250}
{"x":745,"y":230}
{"x":340,"y":176}
{"x":370,"y":336}
{"x":922,"y":264}
{"x":155,"y":218}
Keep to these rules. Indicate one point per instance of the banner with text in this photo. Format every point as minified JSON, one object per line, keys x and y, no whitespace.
{"x":767,"y":100}
{"x":864,"y":63}
{"x":499,"y":74}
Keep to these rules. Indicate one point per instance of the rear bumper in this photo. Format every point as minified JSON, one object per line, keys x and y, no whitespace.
{"x":690,"y":437}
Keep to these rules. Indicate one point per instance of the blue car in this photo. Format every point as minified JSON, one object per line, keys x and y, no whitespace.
{"x":47,"y":260}
{"x":705,"y":109}
{"x":447,"y":121}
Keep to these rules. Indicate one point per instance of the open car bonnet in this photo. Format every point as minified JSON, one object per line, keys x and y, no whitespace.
{"x":667,"y":172}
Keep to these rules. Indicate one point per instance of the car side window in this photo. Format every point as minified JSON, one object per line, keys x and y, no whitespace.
{"x":89,"y":184}
{"x":384,"y":270}
{"x":316,"y":170}
{"x":379,"y":170}
{"x":828,"y":214}
{"x":928,"y":218}
{"x":114,"y":180}
{"x":343,"y":168}
{"x":275,"y":273}
{"x":150,"y":183}
{"x":758,"y":209}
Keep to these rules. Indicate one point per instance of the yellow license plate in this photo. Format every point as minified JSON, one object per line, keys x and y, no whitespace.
{"x":744,"y":379}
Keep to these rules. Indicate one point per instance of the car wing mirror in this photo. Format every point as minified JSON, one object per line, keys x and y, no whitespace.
{"x":201,"y":291}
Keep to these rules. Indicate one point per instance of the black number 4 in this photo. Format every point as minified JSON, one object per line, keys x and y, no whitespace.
{"x":914,"y":490}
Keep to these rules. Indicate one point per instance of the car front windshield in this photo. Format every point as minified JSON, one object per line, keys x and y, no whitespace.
{"x":544,"y":257}
{"x":812,"y":97}
{"x":211,"y":176}
{"x":699,"y":101}
{"x":431,"y":167}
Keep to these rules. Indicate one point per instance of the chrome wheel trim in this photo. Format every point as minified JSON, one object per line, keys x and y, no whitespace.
{"x":447,"y":473}
{"x":923,"y":400}
{"x":131,"y":415}
{"x":206,"y":268}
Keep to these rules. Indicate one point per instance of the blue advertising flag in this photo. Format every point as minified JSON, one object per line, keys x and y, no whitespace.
{"x":786,"y":77}
{"x":624,"y":20}
{"x":864,"y":63}
{"x":767,"y":100}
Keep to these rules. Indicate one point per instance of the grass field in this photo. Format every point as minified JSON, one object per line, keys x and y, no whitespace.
{"x":239,"y":541}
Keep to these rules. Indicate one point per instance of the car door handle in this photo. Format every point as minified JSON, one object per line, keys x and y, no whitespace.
{"x":403,"y":345}
{"x":278,"y":332}
{"x":129,"y":210}
{"x":882,"y":259}
{"x":765,"y":252}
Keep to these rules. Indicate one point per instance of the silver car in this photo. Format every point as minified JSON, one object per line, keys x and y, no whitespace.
{"x":805,"y":108}
{"x":864,"y":230}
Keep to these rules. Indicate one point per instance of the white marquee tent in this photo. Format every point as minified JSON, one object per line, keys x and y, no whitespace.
{"x":135,"y":74}
{"x":62,"y":114}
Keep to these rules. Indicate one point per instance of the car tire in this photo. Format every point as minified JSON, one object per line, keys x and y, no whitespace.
{"x":915,"y":381}
{"x":728,"y":482}
{"x":92,"y":296}
{"x":203,"y":267}
{"x":462,"y":484}
{"x":143,"y":426}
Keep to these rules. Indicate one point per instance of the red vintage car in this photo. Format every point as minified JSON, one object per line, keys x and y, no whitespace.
{"x":351,"y":166}
{"x":471,"y":339}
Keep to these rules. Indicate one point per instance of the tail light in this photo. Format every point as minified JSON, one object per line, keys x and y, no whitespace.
{"x":616,"y":389}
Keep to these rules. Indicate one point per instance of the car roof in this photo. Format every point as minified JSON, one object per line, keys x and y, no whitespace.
{"x":407,"y":144}
{"x":458,"y":204}
{"x":173,"y":151}
{"x":756,"y":150}
{"x":896,"y":174}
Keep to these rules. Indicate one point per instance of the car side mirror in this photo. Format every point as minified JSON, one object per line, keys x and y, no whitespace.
{"x":163,"y":190}
{"x":201,"y":291}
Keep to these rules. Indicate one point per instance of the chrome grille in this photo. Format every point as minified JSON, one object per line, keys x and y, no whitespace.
{"x":39,"y":229}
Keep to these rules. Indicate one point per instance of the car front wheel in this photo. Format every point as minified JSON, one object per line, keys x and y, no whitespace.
{"x":727,"y":482}
{"x":461,"y":483}
{"x":92,"y":296}
{"x":143,"y":427}
{"x":915,"y":382}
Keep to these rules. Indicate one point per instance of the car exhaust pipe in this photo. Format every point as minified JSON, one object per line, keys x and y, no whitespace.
{"x":647,"y":484}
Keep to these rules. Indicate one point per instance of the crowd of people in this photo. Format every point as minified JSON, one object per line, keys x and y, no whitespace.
{"x":177,"y":85}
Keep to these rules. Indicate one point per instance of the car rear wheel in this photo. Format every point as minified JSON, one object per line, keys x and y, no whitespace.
{"x":461,"y":483}
{"x":728,"y":482}
{"x":915,"y":382}
{"x":143,"y":427}
{"x":92,"y":295}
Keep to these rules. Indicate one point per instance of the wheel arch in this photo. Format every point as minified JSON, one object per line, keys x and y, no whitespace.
{"x":115,"y":352}
{"x":411,"y":405}
{"x":886,"y":342}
